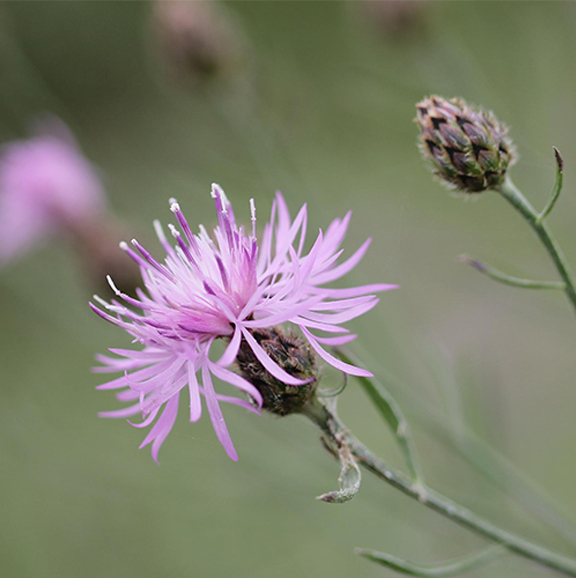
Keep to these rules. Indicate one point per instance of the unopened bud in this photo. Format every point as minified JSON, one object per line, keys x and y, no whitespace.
{"x":294,"y":356}
{"x":469,"y":148}
{"x":197,"y":38}
{"x":393,"y":18}
{"x":96,"y":243}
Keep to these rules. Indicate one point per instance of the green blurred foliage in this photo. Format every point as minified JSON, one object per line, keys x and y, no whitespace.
{"x":321,"y":109}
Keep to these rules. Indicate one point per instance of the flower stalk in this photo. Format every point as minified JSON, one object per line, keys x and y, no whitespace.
{"x":335,"y":433}
{"x":536,"y":221}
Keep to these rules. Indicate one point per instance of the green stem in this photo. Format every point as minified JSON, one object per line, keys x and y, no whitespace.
{"x":335,"y":433}
{"x":392,"y":414}
{"x":509,"y":191}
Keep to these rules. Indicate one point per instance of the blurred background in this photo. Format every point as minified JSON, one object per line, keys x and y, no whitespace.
{"x":315,"y":99}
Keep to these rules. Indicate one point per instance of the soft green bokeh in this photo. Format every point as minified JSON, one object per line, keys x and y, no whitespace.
{"x":324,"y":114}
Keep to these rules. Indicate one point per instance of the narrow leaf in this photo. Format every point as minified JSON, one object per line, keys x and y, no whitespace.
{"x":451,"y":568}
{"x":508,"y":279}
{"x":557,"y":186}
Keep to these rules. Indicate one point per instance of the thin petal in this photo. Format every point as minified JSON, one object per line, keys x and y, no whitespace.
{"x":337,"y":363}
{"x":124,"y":412}
{"x":194,"y":389}
{"x":237,"y":381}
{"x":231,"y":352}
{"x":271,"y":367}
{"x":216,"y":414}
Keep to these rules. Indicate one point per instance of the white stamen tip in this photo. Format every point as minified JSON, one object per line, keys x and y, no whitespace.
{"x":134,"y":242}
{"x":173,"y":230}
{"x":158,"y":229}
{"x":253,"y":209}
{"x":172,"y":201}
{"x":123,"y":245}
{"x":112,"y":286}
{"x":218,"y":191}
{"x":101,"y":301}
{"x":174,"y":207}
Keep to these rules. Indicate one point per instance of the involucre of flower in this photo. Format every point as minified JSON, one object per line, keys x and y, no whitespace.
{"x":294,"y":356}
{"x":226,"y":286}
{"x":46,"y":185}
{"x":468,"y":147}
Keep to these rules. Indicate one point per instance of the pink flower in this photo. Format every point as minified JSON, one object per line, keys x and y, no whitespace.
{"x":46,"y":184}
{"x":225,"y":286}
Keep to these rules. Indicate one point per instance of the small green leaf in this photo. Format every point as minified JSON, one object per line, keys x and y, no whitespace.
{"x":452,"y":568}
{"x":557,"y":187}
{"x":508,"y":279}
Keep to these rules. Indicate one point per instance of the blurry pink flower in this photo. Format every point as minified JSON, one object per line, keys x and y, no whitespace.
{"x":46,"y":185}
{"x":225,"y":286}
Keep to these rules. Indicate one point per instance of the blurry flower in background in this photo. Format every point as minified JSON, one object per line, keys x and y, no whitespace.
{"x":198,"y":40}
{"x":227,"y":287}
{"x":393,"y":18}
{"x":47,"y":188}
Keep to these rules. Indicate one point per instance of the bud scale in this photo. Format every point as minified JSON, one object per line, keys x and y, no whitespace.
{"x":294,"y":356}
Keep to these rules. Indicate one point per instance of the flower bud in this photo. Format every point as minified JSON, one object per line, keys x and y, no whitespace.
{"x":395,"y":19}
{"x":469,"y":149}
{"x":96,"y":244}
{"x":198,"y":40}
{"x":47,"y":187}
{"x":294,"y":356}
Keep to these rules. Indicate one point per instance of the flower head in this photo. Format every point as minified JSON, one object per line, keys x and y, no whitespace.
{"x":46,"y":185}
{"x":469,"y":148}
{"x":225,"y":286}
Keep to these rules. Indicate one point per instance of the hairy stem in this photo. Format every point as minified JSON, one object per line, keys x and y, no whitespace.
{"x":335,"y":433}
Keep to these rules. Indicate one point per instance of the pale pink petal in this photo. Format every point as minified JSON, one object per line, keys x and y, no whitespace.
{"x":194,"y":389}
{"x":271,"y":367}
{"x":216,"y":414}
{"x":337,"y":363}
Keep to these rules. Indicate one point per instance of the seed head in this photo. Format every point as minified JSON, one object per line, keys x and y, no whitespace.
{"x":469,"y":148}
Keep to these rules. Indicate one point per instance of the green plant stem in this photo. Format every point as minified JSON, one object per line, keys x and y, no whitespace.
{"x":335,"y":433}
{"x":509,"y":191}
{"x":478,"y":453}
{"x":392,"y":414}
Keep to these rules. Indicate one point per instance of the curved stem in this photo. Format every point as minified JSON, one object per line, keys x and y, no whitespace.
{"x":392,"y":414}
{"x":509,"y":191}
{"x":335,"y":433}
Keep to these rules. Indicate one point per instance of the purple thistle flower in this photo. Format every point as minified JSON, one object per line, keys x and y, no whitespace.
{"x":46,"y":185}
{"x":226,"y":286}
